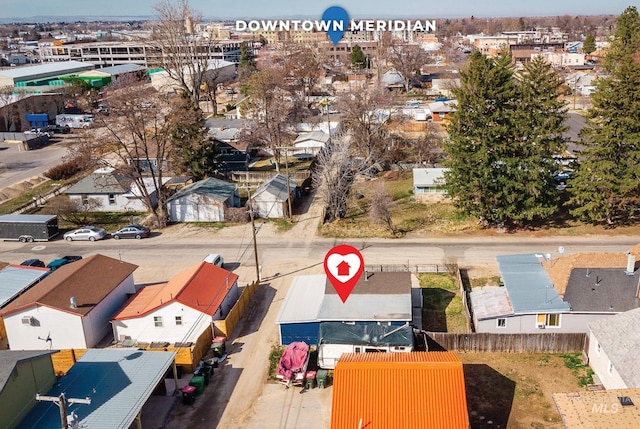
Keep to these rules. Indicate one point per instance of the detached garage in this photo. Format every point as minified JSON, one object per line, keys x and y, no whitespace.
{"x":203,"y":201}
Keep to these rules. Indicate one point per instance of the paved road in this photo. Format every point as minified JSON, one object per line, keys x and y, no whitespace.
{"x":176,"y":248}
{"x":17,"y":166}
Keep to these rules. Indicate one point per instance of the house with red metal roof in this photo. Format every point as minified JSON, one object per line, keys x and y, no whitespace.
{"x":180,"y":310}
{"x":417,"y":390}
{"x":70,"y":308}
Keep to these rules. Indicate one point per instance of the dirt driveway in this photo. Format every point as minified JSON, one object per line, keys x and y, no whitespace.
{"x":239,"y":395}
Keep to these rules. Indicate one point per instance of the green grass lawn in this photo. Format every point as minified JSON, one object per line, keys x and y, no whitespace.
{"x":442,"y":308}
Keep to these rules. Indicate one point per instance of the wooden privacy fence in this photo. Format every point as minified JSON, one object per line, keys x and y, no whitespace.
{"x":263,"y":176}
{"x":225,"y":327}
{"x":490,"y":342}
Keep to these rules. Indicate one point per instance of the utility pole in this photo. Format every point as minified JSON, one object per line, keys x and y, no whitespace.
{"x":61,"y":401}
{"x":286,"y":167}
{"x":253,"y":231}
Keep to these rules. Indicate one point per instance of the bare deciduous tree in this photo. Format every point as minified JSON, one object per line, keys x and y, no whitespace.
{"x":140,"y":138}
{"x":365,"y":114}
{"x":268,"y":111}
{"x":181,"y":53}
{"x":380,"y":206}
{"x":75,"y":211}
{"x":407,"y":60}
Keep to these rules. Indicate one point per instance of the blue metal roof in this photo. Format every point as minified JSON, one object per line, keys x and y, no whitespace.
{"x":28,"y":218}
{"x":121,"y":69}
{"x":529,"y":286}
{"x":15,"y":279}
{"x":118,"y":381}
{"x":57,"y":68}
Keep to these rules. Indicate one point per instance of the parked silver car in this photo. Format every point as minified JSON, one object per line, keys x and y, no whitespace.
{"x":90,"y":233}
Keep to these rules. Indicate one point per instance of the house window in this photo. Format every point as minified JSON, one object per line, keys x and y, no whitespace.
{"x":357,"y":350}
{"x":384,"y":323}
{"x":178,"y":320}
{"x":85,"y":199}
{"x":548,"y":320}
{"x":502,"y":323}
{"x":610,"y":368}
{"x":598,"y":348}
{"x":112,"y":199}
{"x":157,"y":321}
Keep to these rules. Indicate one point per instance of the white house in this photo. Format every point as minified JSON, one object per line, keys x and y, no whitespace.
{"x":613,"y":350}
{"x":113,"y":191}
{"x":428,"y":184}
{"x":311,"y":143}
{"x":70,"y":308}
{"x":179,"y":310}
{"x":271,"y":199}
{"x":203,"y":201}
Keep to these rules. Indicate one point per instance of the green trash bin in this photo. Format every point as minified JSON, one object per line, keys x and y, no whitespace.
{"x":197,"y":382}
{"x":310,"y":377}
{"x":321,"y":377}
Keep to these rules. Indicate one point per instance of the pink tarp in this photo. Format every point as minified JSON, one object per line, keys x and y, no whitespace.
{"x":293,"y":360}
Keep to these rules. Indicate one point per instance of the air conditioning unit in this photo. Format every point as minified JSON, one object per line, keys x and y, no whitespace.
{"x":541,"y":326}
{"x":27,"y":320}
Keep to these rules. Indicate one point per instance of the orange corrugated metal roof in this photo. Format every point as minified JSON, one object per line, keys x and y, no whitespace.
{"x":417,"y":390}
{"x":202,"y":287}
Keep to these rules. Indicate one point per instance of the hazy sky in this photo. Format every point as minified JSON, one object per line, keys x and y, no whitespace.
{"x":243,"y":9}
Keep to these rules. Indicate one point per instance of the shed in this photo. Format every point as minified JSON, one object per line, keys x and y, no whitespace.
{"x":271,"y":199}
{"x":203,"y":201}
{"x":23,"y":374}
{"x":419,"y":390}
{"x":118,"y":381}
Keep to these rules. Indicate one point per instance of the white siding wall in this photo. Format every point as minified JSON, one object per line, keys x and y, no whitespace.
{"x":144,"y":329}
{"x":195,"y":208}
{"x":96,"y":322}
{"x":599,"y":362}
{"x":329,"y":354}
{"x":527,"y":324}
{"x":65,"y":330}
{"x":122,"y":203}
{"x":271,"y":209}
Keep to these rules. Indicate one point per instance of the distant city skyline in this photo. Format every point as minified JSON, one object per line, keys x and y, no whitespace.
{"x":245,"y":9}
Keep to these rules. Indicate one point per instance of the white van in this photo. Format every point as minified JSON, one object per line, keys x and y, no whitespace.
{"x":215,"y":259}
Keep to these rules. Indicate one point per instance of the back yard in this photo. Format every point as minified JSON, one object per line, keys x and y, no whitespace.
{"x":513,"y":390}
{"x":442,"y":309}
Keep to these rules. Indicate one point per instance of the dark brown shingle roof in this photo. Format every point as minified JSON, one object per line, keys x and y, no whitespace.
{"x":89,"y":280}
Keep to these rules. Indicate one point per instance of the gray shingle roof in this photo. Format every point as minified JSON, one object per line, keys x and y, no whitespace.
{"x":606,"y":289}
{"x":530,"y":287}
{"x":118,"y":381}
{"x":211,"y":187}
{"x":619,"y":337}
{"x":101,"y":183}
{"x":276,"y":187}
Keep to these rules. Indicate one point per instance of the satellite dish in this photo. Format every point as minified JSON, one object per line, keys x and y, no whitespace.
{"x":560,"y":250}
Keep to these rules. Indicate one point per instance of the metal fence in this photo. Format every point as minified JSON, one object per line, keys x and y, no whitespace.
{"x":425,"y":268}
{"x":490,"y":342}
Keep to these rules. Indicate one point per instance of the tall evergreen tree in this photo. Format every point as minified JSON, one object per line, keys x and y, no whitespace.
{"x":357,"y":57}
{"x":502,"y":139}
{"x":589,"y":44}
{"x":606,"y":186}
{"x":480,"y":155}
{"x":538,"y":129}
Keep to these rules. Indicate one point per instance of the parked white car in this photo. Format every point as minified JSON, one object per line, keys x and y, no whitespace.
{"x":215,"y":259}
{"x":90,"y":233}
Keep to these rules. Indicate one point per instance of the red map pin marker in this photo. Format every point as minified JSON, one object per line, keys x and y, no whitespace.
{"x":343,"y":265}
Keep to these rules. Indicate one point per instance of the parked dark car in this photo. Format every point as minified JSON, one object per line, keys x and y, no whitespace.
{"x":60,"y":129}
{"x":57,"y":263}
{"x":33,"y":263}
{"x":131,"y":231}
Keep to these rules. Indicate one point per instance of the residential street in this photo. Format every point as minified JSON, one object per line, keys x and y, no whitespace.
{"x":239,"y":396}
